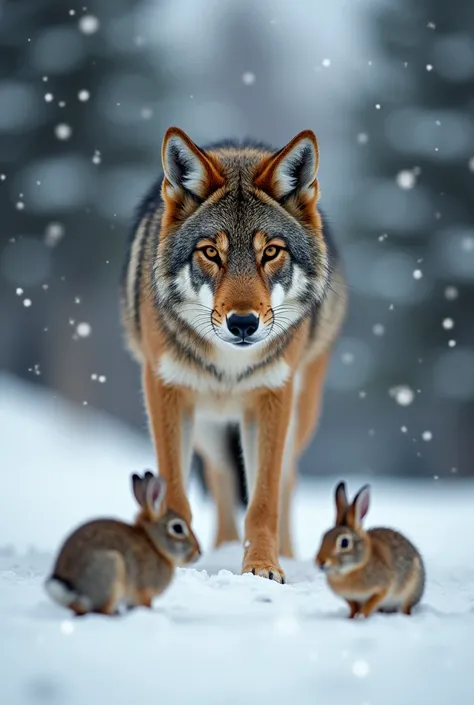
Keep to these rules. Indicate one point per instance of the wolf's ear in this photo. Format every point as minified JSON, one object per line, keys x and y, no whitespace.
{"x":293,"y":169}
{"x":187,"y":169}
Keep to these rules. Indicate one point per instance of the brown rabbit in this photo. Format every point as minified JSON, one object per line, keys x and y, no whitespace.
{"x":374,"y":570}
{"x":106,"y":565}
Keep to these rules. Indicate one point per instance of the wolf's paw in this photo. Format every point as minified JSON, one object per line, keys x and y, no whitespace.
{"x":265,"y":571}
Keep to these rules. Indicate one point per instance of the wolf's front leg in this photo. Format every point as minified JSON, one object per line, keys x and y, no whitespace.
{"x":171,"y":417}
{"x":264,"y":431}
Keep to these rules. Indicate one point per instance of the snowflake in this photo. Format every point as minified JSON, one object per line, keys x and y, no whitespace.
{"x":448,"y":323}
{"x":83,"y":96}
{"x":362,"y":138}
{"x":248,"y":78}
{"x":3,"y":177}
{"x":403,"y":429}
{"x":89,"y":24}
{"x":347,"y":358}
{"x":429,"y":67}
{"x":360,"y":668}
{"x":53,"y":234}
{"x":146,"y":113}
{"x":377,"y":106}
{"x":378,"y":329}
{"x":96,"y":159}
{"x":67,"y":627}
{"x":452,"y":343}
{"x":471,"y":164}
{"x":102,"y":379}
{"x":451,"y":293}
{"x":49,"y":97}
{"x":427,"y":436}
{"x":417,"y":274}
{"x":326,"y":63}
{"x":83,"y":330}
{"x":19,"y":291}
{"x":403,"y":395}
{"x":406,"y":179}
{"x":27,"y":303}
{"x":63,"y":131}
{"x":468,"y":244}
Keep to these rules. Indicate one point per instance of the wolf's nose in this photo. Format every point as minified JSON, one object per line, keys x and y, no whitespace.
{"x":242,"y":326}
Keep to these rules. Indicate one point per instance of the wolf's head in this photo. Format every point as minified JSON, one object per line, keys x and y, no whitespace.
{"x":241,"y":259}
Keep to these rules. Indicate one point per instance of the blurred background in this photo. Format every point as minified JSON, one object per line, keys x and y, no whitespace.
{"x":86,"y":93}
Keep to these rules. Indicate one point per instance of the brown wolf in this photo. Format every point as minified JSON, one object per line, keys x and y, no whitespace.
{"x":232,"y":299}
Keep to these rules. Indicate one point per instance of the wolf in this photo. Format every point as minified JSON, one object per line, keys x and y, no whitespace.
{"x":232,"y":298}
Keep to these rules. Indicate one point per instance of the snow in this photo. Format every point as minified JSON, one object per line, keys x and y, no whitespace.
{"x":216,"y":636}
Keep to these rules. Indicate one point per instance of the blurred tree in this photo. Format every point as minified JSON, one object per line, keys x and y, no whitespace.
{"x":413,"y":230}
{"x":79,"y":143}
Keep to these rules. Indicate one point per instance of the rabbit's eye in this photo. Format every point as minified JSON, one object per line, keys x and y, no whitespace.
{"x":345,"y":543}
{"x":177,"y":528}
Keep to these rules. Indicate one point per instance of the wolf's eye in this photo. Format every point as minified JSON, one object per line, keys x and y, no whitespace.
{"x":211,"y":253}
{"x":270,"y":253}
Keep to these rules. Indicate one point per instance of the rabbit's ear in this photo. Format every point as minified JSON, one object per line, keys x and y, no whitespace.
{"x":340,"y":497}
{"x":138,"y":487}
{"x":155,"y":494}
{"x":359,"y":507}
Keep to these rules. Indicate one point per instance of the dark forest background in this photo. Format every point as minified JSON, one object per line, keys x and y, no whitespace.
{"x":85,"y":97}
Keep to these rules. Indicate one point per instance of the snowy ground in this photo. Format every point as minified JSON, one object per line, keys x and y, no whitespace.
{"x":215,"y":637}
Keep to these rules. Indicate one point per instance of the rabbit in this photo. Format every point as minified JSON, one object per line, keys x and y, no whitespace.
{"x":378,"y":569}
{"x":106,"y":566}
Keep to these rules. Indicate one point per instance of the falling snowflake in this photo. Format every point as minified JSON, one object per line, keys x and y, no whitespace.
{"x":102,"y":379}
{"x":362,"y":394}
{"x":403,"y":395}
{"x":19,"y":291}
{"x":93,"y":377}
{"x":417,"y":274}
{"x":448,"y":323}
{"x":146,"y":113}
{"x":62,"y":103}
{"x":406,"y":179}
{"x":77,"y":300}
{"x":360,"y":668}
{"x":326,"y":63}
{"x":248,"y":78}
{"x":83,"y":330}
{"x":48,"y":97}
{"x":347,"y":358}
{"x":429,"y":67}
{"x":403,"y":429}
{"x":427,"y":436}
{"x":67,"y":627}
{"x":20,"y":206}
{"x":83,"y":96}
{"x":452,"y":343}
{"x":96,"y":159}
{"x":63,"y":131}
{"x":431,"y":25}
{"x":471,"y":164}
{"x":362,"y":138}
{"x":27,"y":303}
{"x":468,"y":244}
{"x":89,"y":24}
{"x":382,"y":237}
{"x":451,"y":293}
{"x":53,"y":234}
{"x":378,"y":329}
{"x":3,"y":177}
{"x":377,"y":106}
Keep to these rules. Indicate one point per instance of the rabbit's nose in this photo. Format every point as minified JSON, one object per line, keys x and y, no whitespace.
{"x":323,"y":564}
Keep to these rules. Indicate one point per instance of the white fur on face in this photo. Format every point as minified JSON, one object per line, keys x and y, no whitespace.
{"x":206,"y":297}
{"x":278,"y":295}
{"x":184,"y":285}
